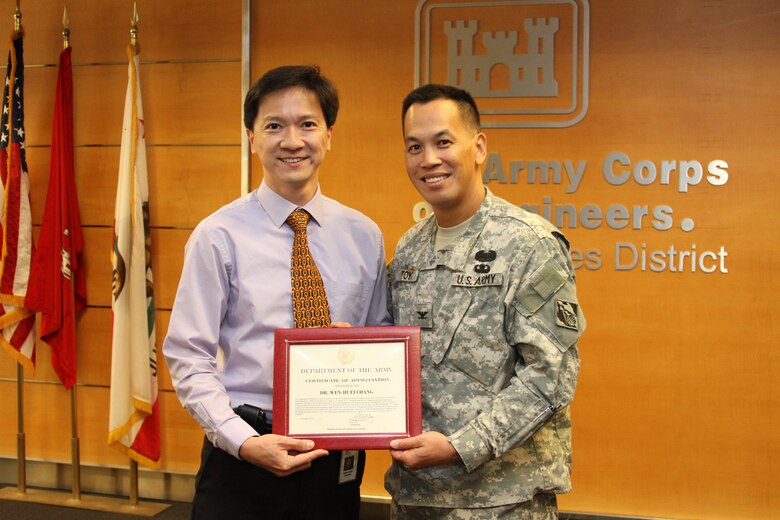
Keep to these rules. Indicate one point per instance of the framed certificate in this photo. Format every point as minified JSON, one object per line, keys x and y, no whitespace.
{"x":347,"y":387}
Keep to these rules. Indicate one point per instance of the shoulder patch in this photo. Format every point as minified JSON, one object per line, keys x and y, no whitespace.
{"x":566,"y":314}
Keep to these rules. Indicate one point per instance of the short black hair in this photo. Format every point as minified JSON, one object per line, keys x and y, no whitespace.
{"x":280,"y":78}
{"x":433,"y":91}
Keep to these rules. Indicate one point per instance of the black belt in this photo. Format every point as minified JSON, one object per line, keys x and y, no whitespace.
{"x":255,"y":417}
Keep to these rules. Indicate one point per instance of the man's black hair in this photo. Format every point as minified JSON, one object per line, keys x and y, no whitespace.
{"x":280,"y":78}
{"x":432,"y":91}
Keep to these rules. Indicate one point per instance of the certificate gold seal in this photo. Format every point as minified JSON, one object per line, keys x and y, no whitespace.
{"x":346,"y":355}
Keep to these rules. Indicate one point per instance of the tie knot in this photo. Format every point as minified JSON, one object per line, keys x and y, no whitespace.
{"x":298,"y":220}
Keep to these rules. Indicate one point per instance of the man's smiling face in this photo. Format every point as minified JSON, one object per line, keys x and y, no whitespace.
{"x":443,"y":159}
{"x":291,"y":139}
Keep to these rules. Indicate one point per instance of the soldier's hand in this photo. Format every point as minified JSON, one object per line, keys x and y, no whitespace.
{"x":423,"y":451}
{"x":280,"y":455}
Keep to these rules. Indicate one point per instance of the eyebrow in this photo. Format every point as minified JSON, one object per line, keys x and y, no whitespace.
{"x":437,"y":135}
{"x":302,"y":117}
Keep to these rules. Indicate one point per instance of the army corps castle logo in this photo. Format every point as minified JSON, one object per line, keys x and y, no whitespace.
{"x":525,"y":61}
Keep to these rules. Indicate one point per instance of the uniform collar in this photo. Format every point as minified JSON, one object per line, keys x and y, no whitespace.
{"x":456,"y":256}
{"x":278,"y":208}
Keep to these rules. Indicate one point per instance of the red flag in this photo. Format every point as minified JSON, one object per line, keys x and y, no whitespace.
{"x":17,"y":323}
{"x":57,"y":288}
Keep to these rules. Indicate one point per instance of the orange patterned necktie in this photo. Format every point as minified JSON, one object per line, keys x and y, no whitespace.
{"x":310,"y":303}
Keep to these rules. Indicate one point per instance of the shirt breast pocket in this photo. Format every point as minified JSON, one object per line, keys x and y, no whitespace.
{"x":348,"y":303}
{"x":480,"y":349}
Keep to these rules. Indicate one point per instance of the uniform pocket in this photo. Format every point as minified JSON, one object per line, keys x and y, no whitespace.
{"x":449,"y":317}
{"x":481,"y":351}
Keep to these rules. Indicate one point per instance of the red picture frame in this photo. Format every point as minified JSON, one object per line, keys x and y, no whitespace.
{"x":347,"y":387}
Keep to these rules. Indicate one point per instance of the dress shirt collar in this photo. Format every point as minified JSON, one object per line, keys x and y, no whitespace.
{"x":279,"y":208}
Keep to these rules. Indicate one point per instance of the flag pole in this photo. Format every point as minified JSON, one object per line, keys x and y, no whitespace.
{"x":20,"y":439}
{"x":134,"y":25}
{"x":74,"y":445}
{"x":133,"y":462}
{"x":133,"y":482}
{"x":20,"y":449}
{"x":75,"y":451}
{"x":65,"y":29}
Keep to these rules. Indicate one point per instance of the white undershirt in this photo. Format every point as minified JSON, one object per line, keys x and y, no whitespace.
{"x":447,"y":235}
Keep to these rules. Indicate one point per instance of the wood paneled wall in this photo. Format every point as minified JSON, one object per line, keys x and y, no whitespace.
{"x":191,"y":87}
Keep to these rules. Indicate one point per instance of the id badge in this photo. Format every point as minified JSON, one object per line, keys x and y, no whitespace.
{"x":349,"y":466}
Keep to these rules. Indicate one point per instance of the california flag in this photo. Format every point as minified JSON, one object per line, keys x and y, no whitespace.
{"x":134,"y":420}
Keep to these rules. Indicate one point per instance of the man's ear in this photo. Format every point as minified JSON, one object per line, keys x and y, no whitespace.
{"x":481,"y":147}
{"x":330,"y":136}
{"x":251,"y":137}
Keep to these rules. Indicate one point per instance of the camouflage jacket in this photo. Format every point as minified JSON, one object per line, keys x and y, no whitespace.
{"x":500,"y":322}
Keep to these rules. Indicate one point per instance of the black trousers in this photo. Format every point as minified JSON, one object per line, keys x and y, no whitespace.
{"x":230,"y":489}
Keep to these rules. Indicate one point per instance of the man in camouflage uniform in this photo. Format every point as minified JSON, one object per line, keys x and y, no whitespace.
{"x":492,"y":287}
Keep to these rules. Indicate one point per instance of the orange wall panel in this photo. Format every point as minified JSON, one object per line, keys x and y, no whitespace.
{"x":186,"y":182}
{"x":48,"y":427}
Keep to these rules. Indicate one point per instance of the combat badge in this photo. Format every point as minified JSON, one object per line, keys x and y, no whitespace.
{"x":484,"y":256}
{"x":566,"y":314}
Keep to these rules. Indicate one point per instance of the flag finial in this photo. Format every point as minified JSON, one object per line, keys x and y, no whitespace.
{"x":17,"y":17}
{"x":65,"y":29}
{"x":134,"y":25}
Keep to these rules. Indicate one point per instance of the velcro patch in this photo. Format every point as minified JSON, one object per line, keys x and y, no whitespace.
{"x":566,"y":314}
{"x":548,"y":280}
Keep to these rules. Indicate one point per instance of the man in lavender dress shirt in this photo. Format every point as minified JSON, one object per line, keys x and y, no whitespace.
{"x":235,"y":290}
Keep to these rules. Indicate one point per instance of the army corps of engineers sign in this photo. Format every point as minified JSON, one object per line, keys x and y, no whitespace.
{"x":524,"y":61}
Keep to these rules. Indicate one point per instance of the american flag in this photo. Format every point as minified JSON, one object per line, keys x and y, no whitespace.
{"x":17,"y":322}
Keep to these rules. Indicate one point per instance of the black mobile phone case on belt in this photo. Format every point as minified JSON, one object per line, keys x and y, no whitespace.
{"x":255,"y":417}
